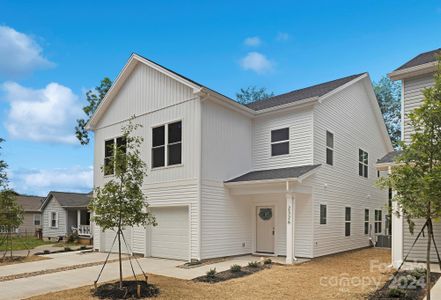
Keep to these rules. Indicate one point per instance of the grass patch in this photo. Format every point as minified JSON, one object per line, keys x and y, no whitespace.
{"x":22,"y":243}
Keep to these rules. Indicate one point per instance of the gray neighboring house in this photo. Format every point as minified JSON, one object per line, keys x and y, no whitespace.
{"x":32,"y":214}
{"x":63,"y":213}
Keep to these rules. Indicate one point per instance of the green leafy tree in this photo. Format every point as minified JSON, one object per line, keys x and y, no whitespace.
{"x":388,"y":95}
{"x":120,"y":202}
{"x":94,"y":98}
{"x":416,"y":177}
{"x":252,"y":94}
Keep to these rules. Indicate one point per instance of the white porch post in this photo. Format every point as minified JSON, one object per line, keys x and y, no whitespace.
{"x":78,"y":219}
{"x":290,"y":211}
{"x":397,"y":233}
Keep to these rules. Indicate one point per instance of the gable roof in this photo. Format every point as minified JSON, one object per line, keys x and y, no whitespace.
{"x":423,"y":58}
{"x":317,"y":90}
{"x":424,"y":63}
{"x":29,"y":203}
{"x":66,"y":199}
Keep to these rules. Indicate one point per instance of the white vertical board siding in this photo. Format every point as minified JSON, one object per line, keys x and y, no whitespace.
{"x":226,"y":153}
{"x":54,"y":206}
{"x":350,"y":116}
{"x":413,"y":97}
{"x":300,"y":144}
{"x":156,"y":99}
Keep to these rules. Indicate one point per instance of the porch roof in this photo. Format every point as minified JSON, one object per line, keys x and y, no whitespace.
{"x":293,"y":173}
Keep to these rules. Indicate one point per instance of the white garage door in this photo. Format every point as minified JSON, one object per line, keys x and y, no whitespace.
{"x":170,"y":239}
{"x":109,"y":235}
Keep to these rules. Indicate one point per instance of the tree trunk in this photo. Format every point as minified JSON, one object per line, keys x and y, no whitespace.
{"x":10,"y":241}
{"x":429,"y":240}
{"x":119,"y":258}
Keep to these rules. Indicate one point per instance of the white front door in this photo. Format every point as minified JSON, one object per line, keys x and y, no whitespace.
{"x":265,"y":229}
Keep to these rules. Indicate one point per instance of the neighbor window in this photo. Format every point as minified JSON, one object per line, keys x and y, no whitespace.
{"x":347,"y":221}
{"x":37,"y":220}
{"x":172,"y":133}
{"x":366,"y":221}
{"x":54,"y":220}
{"x":363,"y":163}
{"x":378,"y":220}
{"x":322,"y":214}
{"x":279,"y":141}
{"x":329,"y":148}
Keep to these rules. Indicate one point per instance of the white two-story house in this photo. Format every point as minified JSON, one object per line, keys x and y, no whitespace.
{"x":290,"y":176}
{"x":415,"y":75}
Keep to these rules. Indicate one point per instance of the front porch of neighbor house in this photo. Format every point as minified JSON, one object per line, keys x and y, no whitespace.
{"x":78,"y":220}
{"x":281,"y":210}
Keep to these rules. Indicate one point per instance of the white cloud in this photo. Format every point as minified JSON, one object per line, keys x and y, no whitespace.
{"x":253,"y":41}
{"x":43,"y":115}
{"x":19,"y":53}
{"x":256,"y":62}
{"x":282,"y":36}
{"x":40,"y":182}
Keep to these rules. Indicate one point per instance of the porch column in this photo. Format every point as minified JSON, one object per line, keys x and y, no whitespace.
{"x":78,"y":219}
{"x":290,"y":226}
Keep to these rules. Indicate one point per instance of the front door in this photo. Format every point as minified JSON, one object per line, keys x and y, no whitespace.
{"x":265,"y":229}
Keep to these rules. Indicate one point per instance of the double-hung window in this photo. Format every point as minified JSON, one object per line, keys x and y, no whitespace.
{"x":329,"y":148}
{"x":363,"y":163}
{"x":167,"y":145}
{"x":378,"y":220}
{"x":37,"y":219}
{"x":279,"y":141}
{"x":347,"y":221}
{"x":109,"y":153}
{"x":323,"y":214}
{"x":54,"y":219}
{"x":366,"y":221}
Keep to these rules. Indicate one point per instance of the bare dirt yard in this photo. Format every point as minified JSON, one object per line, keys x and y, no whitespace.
{"x":349,"y":275}
{"x":7,"y":260}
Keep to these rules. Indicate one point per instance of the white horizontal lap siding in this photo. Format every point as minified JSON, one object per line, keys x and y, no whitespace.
{"x":303,"y":235}
{"x":418,"y":252}
{"x":48,"y":231}
{"x":226,"y":153}
{"x":350,"y":116}
{"x":300,"y":133}
{"x":413,"y":97}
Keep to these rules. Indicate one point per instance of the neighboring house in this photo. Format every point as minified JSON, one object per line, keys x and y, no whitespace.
{"x":63,"y":213}
{"x":292,"y":175}
{"x":415,"y":75}
{"x":32,"y":214}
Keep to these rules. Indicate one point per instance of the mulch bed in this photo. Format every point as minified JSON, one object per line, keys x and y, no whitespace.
{"x":228,"y":274}
{"x":413,"y":291}
{"x":129,"y":290}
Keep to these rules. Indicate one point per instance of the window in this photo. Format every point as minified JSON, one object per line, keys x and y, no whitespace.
{"x":109,"y":147}
{"x":172,"y":133}
{"x":322,"y":214}
{"x":363,"y":162}
{"x":378,"y":221}
{"x":329,"y":148}
{"x":54,"y":219}
{"x":280,"y":141}
{"x":37,"y":219}
{"x":366,"y":221}
{"x":347,"y":221}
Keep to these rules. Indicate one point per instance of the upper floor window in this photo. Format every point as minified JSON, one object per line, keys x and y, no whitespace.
{"x":323,"y":214}
{"x":167,"y":143}
{"x":329,"y":148}
{"x":109,"y":153}
{"x":363,"y":163}
{"x":279,"y":141}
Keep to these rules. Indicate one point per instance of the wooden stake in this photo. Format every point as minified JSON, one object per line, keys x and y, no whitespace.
{"x":138,"y":290}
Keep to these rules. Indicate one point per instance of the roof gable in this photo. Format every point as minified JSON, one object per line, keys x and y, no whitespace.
{"x":420,"y":59}
{"x":66,"y":199}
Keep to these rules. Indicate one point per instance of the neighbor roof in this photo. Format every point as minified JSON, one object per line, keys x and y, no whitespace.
{"x":317,"y":90}
{"x":421,"y":59}
{"x":389,"y":158}
{"x":29,"y":203}
{"x":71,"y":199}
{"x":283,"y":173}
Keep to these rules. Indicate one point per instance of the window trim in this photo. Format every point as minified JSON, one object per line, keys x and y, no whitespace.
{"x":348,"y":221}
{"x":363,"y":164}
{"x":51,"y":219}
{"x":326,"y":214}
{"x":327,"y":147}
{"x":166,"y":144}
{"x":34,"y":219}
{"x":367,"y":221}
{"x":279,"y":142}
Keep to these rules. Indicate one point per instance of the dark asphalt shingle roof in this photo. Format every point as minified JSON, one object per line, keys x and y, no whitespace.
{"x":29,"y":203}
{"x":72,"y":199}
{"x":421,"y":59}
{"x":292,"y":172}
{"x":305,"y":93}
{"x":389,"y":158}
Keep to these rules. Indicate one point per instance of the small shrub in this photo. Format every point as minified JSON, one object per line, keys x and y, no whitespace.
{"x":235,"y":268}
{"x":211,"y":274}
{"x":67,"y":249}
{"x":73,"y":237}
{"x":418,"y":273}
{"x":396,"y":293}
{"x":267,"y":261}
{"x":253,"y":264}
{"x":46,"y":252}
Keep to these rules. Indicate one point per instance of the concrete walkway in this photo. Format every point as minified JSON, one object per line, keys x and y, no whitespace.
{"x":42,"y":284}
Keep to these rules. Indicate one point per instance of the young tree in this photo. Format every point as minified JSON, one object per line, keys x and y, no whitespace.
{"x":120,"y":202}
{"x":94,"y":98}
{"x":252,"y":94}
{"x":416,"y":178}
{"x":388,"y":95}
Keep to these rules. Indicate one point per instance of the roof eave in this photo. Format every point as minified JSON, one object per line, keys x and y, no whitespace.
{"x":413,"y":71}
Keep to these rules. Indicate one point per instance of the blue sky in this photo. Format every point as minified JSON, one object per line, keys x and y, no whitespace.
{"x":51,"y":52}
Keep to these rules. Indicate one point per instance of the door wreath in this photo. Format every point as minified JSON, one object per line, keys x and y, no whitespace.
{"x":265,"y":213}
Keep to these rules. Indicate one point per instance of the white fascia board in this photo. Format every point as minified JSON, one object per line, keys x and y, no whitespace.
{"x":413,"y":71}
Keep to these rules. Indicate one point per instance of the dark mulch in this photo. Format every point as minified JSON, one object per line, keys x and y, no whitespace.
{"x":129,"y":290}
{"x":410,"y":290}
{"x":227,"y":275}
